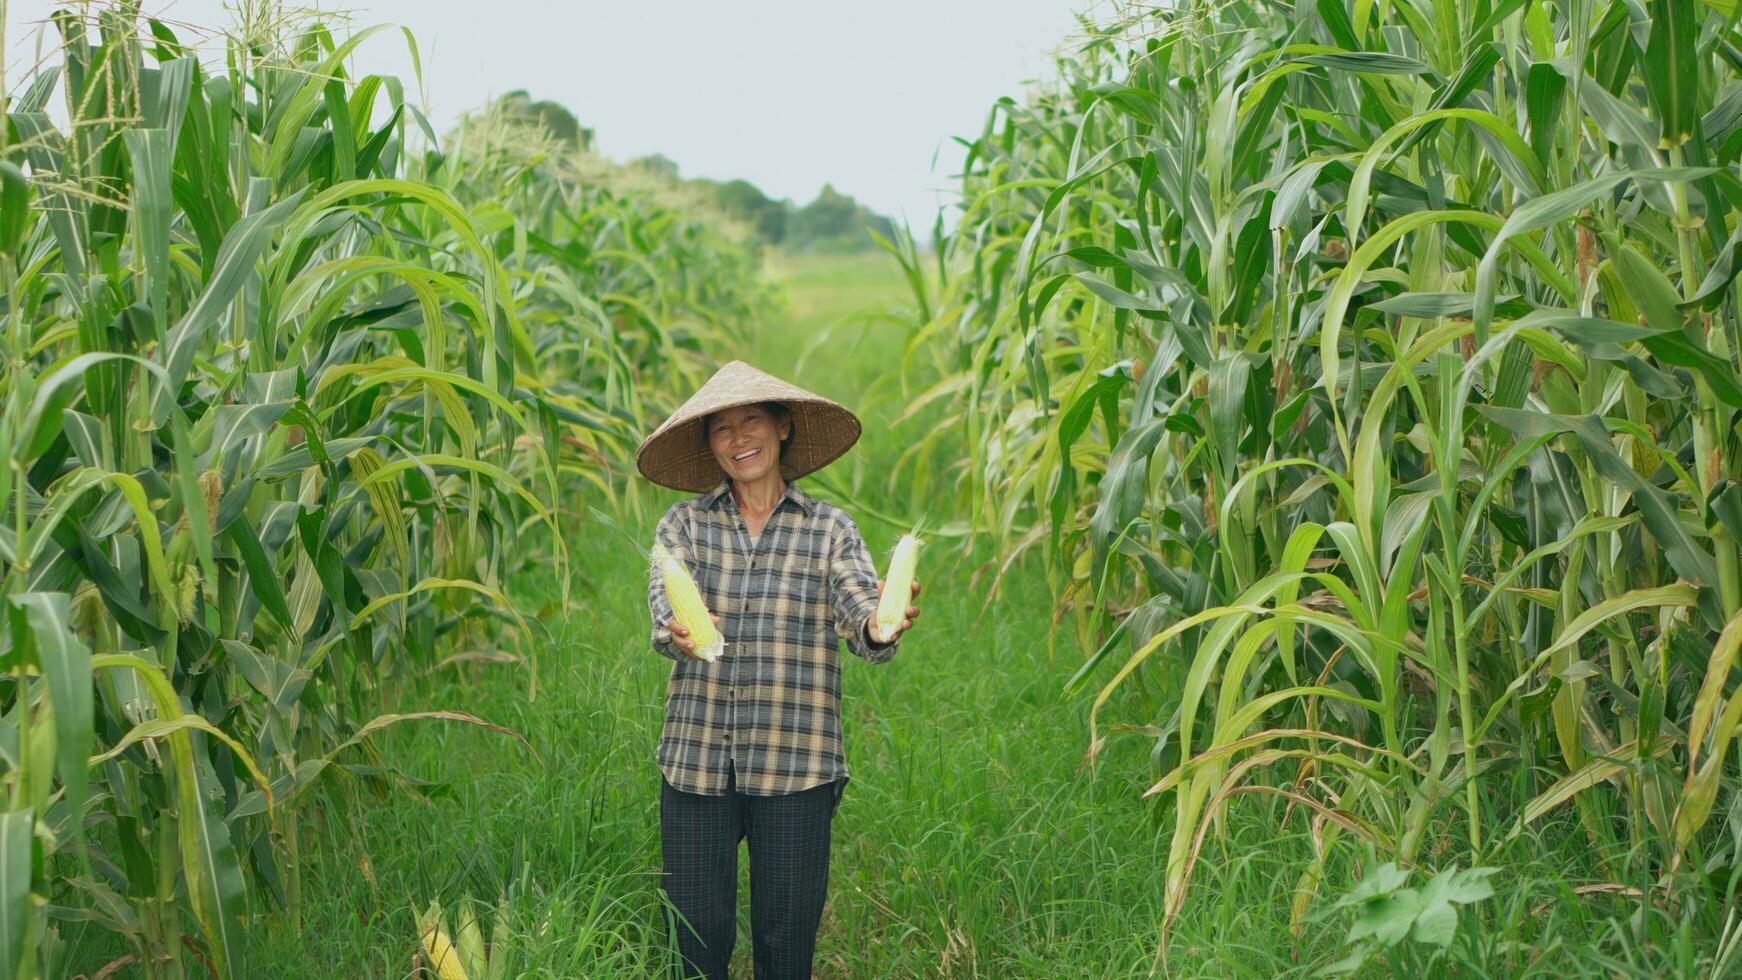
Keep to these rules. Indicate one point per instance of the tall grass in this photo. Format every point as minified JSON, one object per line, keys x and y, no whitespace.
{"x":289,"y":393}
{"x":1367,"y":374}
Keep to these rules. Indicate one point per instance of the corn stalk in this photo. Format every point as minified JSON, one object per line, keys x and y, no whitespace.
{"x":292,"y":390}
{"x":1367,"y":374}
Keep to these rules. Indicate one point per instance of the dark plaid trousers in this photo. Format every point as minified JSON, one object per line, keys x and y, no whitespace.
{"x":789,"y":875}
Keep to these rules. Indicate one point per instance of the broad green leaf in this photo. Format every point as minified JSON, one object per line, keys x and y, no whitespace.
{"x":262,"y":577}
{"x":1672,"y":69}
{"x":66,"y":666}
{"x":209,"y":866}
{"x":16,"y":832}
{"x":242,"y":248}
{"x":1669,"y":595}
{"x":14,"y":207}
{"x":1712,"y":686}
{"x":1656,"y":506}
{"x":1544,"y":94}
{"x":1598,"y":770}
{"x":153,"y":212}
{"x":1369,"y":61}
{"x":1654,"y":296}
{"x":1125,"y":485}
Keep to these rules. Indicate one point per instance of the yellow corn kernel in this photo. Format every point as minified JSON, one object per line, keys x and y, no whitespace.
{"x":897,"y":588}
{"x":687,"y":606}
{"x":439,"y":952}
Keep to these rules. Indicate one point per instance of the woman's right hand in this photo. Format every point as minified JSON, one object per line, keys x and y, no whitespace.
{"x":680,"y":637}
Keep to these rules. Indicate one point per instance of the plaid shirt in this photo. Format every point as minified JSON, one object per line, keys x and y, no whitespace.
{"x":771,"y":705}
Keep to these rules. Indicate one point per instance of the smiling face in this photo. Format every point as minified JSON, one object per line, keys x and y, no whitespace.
{"x":746,"y":440}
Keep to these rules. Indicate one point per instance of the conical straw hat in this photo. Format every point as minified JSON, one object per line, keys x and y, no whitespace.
{"x":676,"y":455}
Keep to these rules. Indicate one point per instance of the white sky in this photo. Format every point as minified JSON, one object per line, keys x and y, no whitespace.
{"x":787,"y":94}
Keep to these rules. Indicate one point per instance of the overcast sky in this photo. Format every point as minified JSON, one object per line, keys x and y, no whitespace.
{"x":787,"y":94}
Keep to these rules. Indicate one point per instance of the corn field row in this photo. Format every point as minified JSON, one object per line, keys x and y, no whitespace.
{"x":1367,"y":374}
{"x":292,"y":387}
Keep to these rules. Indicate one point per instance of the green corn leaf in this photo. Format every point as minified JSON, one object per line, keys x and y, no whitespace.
{"x":1655,"y":298}
{"x":150,"y":153}
{"x":1544,"y":95}
{"x":66,"y":213}
{"x":1124,"y":487}
{"x":1592,"y":773}
{"x":279,"y":682}
{"x":16,"y":834}
{"x":163,"y":727}
{"x":66,"y":666}
{"x":1656,"y":506}
{"x":1375,"y":62}
{"x":242,"y":248}
{"x":1672,"y":69}
{"x":209,"y":867}
{"x":1669,"y":595}
{"x":1713,"y":685}
{"x":14,"y":207}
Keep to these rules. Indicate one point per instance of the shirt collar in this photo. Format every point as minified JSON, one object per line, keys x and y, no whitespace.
{"x":723,"y":492}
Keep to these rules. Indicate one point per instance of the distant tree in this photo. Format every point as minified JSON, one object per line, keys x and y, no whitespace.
{"x":746,"y":200}
{"x":658,"y":164}
{"x":553,"y":116}
{"x":831,"y":215}
{"x":834,"y":222}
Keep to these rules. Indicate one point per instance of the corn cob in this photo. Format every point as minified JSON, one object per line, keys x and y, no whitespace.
{"x":468,"y":938}
{"x":897,"y":588}
{"x":439,"y":952}
{"x":687,"y":606}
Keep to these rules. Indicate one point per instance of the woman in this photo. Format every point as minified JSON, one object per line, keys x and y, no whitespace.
{"x":751,"y":746}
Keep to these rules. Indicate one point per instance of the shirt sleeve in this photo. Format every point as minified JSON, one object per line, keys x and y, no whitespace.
{"x":670,"y":533}
{"x":853,"y":594}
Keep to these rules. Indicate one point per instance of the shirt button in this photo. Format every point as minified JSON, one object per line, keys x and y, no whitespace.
{"x":726,"y":738}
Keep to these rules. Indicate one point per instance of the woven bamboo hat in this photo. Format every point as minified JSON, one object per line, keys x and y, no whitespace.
{"x":676,"y":455}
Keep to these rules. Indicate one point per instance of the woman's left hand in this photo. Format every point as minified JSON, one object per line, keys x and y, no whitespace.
{"x":906,"y":623}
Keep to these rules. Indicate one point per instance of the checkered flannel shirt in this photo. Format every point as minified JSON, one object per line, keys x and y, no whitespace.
{"x":771,"y":705}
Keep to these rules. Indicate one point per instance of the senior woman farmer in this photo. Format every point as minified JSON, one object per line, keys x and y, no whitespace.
{"x":751,"y":746}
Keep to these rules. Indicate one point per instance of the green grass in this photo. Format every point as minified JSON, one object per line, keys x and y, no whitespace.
{"x":824,"y":289}
{"x":840,"y":335}
{"x":968,"y":843}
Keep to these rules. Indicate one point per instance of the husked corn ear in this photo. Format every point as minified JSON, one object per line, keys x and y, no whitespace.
{"x":687,"y":606}
{"x":897,"y":588}
{"x":439,"y":951}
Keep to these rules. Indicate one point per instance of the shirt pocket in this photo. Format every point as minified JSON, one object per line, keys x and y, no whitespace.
{"x":795,"y":598}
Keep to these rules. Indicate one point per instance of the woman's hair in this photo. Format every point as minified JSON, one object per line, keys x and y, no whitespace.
{"x":776,"y":411}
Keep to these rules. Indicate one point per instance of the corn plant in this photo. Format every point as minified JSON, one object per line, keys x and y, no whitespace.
{"x":619,"y":281}
{"x":1368,"y":374}
{"x":285,"y":405}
